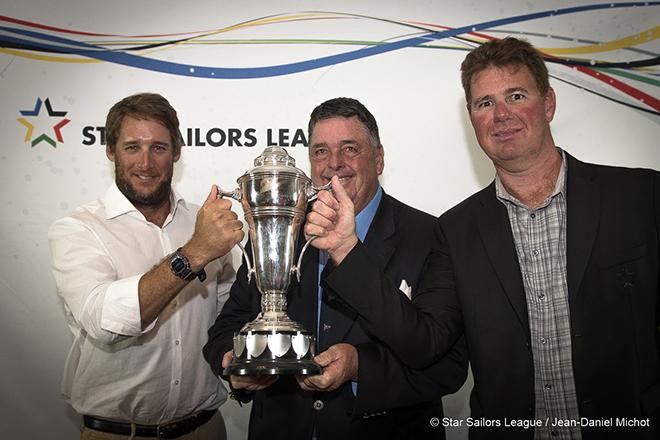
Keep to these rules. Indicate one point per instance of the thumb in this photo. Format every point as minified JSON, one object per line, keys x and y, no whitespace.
{"x":227,"y":358}
{"x":325,"y":358}
{"x":213,"y":195}
{"x":339,"y":192}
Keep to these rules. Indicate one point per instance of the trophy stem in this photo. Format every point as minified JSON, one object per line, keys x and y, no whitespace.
{"x":273,"y":303}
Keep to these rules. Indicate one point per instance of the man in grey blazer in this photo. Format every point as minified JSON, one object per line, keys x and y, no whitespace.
{"x":551,"y":273}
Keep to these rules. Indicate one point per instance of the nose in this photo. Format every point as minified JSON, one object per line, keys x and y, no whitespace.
{"x":145,"y":158}
{"x":502,"y":111}
{"x":336,"y":159}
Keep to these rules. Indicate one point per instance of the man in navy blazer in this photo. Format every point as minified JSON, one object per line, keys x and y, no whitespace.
{"x":551,"y":273}
{"x":364,"y":390}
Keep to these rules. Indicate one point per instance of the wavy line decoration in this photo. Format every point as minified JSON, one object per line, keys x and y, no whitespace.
{"x":625,"y":70}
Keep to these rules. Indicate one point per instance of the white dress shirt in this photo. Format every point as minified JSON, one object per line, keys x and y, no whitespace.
{"x":115,"y":369}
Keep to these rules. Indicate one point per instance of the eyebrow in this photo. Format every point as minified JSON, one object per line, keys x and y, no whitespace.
{"x":341,"y":143}
{"x":137,"y":141}
{"x":515,"y":89}
{"x":507,"y":92}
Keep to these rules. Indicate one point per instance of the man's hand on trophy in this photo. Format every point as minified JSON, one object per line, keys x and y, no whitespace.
{"x":249,"y":383}
{"x":332,"y":221}
{"x":340,"y":364}
{"x":217,"y":230}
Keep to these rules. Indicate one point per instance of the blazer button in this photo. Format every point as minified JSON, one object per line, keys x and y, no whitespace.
{"x":318,"y":405}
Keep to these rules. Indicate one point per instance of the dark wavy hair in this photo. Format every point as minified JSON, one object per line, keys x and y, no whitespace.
{"x":345,"y":108}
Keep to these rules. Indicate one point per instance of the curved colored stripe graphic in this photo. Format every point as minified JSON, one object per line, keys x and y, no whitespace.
{"x":132,"y":51}
{"x":633,"y":40}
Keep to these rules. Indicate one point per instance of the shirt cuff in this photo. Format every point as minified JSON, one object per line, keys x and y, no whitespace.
{"x":121,"y":308}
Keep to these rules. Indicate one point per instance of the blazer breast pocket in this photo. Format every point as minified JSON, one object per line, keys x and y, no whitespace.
{"x":621,"y":269}
{"x":619,"y":258}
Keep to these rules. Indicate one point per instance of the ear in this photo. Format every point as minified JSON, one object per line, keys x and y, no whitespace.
{"x":550,"y":104}
{"x":109,"y":153}
{"x":177,"y":154}
{"x":380,"y":159}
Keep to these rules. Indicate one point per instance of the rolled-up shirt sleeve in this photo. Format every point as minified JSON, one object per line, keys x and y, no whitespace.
{"x":106,"y":308}
{"x":120,"y":312}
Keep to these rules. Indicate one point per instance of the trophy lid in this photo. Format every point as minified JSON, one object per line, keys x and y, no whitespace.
{"x":275,"y":159}
{"x":274,"y":155}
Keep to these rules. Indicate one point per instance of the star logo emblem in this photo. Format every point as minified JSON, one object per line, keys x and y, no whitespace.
{"x":43,"y":137}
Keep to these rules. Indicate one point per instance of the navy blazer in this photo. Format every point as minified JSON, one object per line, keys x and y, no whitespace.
{"x":473,"y":286}
{"x":393,"y":400}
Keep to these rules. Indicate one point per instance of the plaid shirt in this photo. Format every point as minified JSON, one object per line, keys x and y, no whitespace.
{"x":540,"y":240}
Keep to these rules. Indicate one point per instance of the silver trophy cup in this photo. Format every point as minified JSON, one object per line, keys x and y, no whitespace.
{"x":274,"y":196}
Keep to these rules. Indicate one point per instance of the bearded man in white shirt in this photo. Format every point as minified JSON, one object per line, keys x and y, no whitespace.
{"x":142,"y":274}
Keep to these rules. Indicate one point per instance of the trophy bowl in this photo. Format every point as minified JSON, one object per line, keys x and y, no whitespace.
{"x":274,"y":196}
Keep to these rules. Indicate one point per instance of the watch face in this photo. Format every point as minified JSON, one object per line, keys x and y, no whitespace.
{"x":181,"y":268}
{"x":178,"y":264}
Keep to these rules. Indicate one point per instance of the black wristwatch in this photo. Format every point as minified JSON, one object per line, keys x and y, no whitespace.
{"x":180,"y":266}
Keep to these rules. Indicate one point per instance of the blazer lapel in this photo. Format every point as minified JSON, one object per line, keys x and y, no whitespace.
{"x":495,"y":230}
{"x":582,"y":211}
{"x":335,"y":311}
{"x":381,"y":232}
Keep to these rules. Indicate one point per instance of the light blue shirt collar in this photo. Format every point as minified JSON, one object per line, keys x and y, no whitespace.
{"x":366,"y":216}
{"x":362,"y":223}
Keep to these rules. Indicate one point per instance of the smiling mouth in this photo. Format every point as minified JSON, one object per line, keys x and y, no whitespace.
{"x":503,"y":134}
{"x":143,"y":178}
{"x":342,"y":179}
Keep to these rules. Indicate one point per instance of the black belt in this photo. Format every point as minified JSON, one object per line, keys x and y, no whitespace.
{"x":169,"y":430}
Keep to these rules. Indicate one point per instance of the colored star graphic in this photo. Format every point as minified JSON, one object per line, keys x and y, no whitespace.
{"x":43,"y":136}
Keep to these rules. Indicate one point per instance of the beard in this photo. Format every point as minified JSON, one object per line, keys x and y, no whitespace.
{"x":156,"y":198}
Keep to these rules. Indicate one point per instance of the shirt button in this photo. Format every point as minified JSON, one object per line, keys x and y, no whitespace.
{"x":532,"y":215}
{"x":541,"y":295}
{"x":174,"y":303}
{"x":543,"y":340}
{"x":176,"y":382}
{"x":318,"y":405}
{"x":547,"y":386}
{"x":177,"y":342}
{"x":535,"y":252}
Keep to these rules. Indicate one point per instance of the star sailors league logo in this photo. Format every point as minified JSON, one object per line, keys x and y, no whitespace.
{"x":56,"y":120}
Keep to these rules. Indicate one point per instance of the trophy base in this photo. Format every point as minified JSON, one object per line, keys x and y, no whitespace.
{"x":273,"y":352}
{"x":302,"y":367}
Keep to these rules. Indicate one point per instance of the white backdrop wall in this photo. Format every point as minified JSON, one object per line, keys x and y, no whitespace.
{"x":79,"y":57}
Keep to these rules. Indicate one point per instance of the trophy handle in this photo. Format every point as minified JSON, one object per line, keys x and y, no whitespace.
{"x":311,"y":196}
{"x":236,"y":195}
{"x":296,"y":269}
{"x":250,"y":268}
{"x":314,"y":192}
